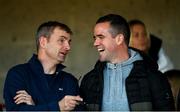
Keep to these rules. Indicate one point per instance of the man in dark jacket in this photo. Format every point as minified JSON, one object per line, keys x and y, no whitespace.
{"x":41,"y":84}
{"x":123,"y":79}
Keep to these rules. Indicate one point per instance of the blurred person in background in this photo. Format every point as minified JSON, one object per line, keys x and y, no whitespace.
{"x":148,"y":43}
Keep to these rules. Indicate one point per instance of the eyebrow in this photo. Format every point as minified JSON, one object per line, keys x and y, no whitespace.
{"x":65,"y":37}
{"x":100,"y":35}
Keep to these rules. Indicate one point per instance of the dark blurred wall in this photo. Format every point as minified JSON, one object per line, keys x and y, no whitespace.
{"x":19,"y":20}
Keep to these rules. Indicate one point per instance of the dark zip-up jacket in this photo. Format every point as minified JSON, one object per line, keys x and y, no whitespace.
{"x":31,"y":78}
{"x":147,"y":88}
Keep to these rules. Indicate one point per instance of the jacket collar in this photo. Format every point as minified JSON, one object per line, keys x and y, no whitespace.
{"x":37,"y":67}
{"x":148,"y":61}
{"x":38,"y":74}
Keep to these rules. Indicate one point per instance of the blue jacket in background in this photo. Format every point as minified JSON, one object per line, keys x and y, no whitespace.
{"x":31,"y":78}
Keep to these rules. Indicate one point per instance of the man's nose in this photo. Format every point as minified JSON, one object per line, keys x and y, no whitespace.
{"x":67,"y":46}
{"x":96,"y":42}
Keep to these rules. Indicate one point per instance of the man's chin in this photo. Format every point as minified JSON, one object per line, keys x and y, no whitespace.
{"x":101,"y":59}
{"x":61,"y":61}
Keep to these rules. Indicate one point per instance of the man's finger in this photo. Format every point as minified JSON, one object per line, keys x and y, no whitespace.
{"x":19,"y":95}
{"x":20,"y":99}
{"x":21,"y":92}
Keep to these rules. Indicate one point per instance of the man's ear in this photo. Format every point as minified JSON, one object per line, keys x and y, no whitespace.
{"x":42,"y":41}
{"x":119,"y":39}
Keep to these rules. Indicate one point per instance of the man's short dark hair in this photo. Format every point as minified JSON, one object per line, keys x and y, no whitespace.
{"x":47,"y":28}
{"x":119,"y":25}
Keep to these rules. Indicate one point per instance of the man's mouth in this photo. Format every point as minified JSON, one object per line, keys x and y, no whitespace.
{"x":63,"y":53}
{"x":100,"y":50}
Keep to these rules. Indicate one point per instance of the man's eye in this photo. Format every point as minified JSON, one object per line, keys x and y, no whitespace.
{"x":62,"y":40}
{"x":101,"y":37}
{"x":69,"y":42}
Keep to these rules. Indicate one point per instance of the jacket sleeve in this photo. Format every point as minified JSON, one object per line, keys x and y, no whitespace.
{"x":161,"y":92}
{"x":14,"y":82}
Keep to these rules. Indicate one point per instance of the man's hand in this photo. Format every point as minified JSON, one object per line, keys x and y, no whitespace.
{"x":23,"y":97}
{"x":69,"y":102}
